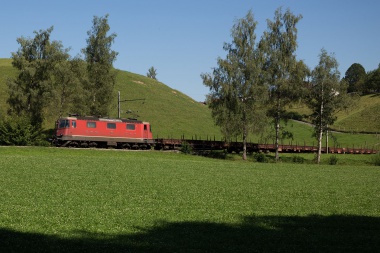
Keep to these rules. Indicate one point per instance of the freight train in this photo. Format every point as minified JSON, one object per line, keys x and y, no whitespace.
{"x":95,"y":132}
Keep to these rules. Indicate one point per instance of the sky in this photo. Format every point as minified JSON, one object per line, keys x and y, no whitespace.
{"x":182,"y":39}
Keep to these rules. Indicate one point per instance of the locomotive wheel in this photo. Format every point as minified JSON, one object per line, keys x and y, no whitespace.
{"x":74,"y":144}
{"x":126,"y":146}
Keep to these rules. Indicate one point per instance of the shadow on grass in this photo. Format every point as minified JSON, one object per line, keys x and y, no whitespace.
{"x":253,"y":234}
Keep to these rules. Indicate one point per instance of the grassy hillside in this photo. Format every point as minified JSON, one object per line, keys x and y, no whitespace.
{"x":171,"y":113}
{"x":363,"y":115}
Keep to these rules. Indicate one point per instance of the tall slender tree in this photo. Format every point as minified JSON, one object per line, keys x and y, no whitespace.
{"x":101,"y":75}
{"x":236,"y":86}
{"x":327,"y":96}
{"x":285,"y":75}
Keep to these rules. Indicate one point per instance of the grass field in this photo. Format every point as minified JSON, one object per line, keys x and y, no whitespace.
{"x":65,"y":200}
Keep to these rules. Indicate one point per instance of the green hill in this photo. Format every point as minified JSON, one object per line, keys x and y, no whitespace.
{"x":362,"y":116}
{"x":171,"y":113}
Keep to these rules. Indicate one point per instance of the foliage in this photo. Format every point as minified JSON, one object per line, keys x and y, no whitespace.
{"x":355,"y":77}
{"x":186,"y":148}
{"x":298,"y":159}
{"x":236,"y":86}
{"x":261,"y":157}
{"x":285,"y":74}
{"x":152,"y":73}
{"x":31,"y":91}
{"x":372,"y":84}
{"x":376,"y":159}
{"x":326,"y":96}
{"x":68,"y":92}
{"x":293,"y":115}
{"x":19,"y":131}
{"x":333,"y":160}
{"x":101,"y":76}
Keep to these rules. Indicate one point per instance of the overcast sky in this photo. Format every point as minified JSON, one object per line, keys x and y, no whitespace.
{"x":183,"y":39}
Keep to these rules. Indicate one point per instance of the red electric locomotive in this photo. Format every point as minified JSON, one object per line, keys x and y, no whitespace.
{"x":102,"y":132}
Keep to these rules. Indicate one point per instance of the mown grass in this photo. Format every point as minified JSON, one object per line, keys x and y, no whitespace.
{"x":110,"y":201}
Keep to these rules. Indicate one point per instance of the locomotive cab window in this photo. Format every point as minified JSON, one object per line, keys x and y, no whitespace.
{"x":64,"y":123}
{"x":73,"y":124}
{"x":131,"y":127}
{"x":91,"y":124}
{"x":111,"y":125}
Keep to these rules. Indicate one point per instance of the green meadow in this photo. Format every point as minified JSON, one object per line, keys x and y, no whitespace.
{"x":81,"y":200}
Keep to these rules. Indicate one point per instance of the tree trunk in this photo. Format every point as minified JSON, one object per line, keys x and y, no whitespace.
{"x":277,"y":138}
{"x":320,"y":134}
{"x":245,"y":143}
{"x":277,"y":123}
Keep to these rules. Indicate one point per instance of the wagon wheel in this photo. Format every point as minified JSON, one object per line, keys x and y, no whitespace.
{"x":93,"y":145}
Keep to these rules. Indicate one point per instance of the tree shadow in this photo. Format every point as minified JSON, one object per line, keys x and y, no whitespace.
{"x":254,"y":234}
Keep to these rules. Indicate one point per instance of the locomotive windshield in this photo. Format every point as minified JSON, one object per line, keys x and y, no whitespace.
{"x":63,"y":123}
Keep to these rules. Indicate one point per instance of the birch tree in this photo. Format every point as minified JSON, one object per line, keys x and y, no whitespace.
{"x":285,"y":75}
{"x":236,"y":86}
{"x":327,"y":96}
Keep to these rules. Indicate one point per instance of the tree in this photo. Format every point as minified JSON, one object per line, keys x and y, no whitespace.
{"x":326,"y":97}
{"x":355,"y":77}
{"x":31,"y":92}
{"x":236,"y":87}
{"x":68,"y":92}
{"x":284,"y":73}
{"x":152,"y":73}
{"x":101,"y":75}
{"x":372,"y":83}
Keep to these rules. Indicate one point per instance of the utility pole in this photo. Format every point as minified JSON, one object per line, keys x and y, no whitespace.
{"x":118,"y":104}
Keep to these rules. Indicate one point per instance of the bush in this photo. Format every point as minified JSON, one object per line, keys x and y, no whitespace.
{"x":261,"y":157}
{"x":333,"y":160}
{"x":186,"y":148}
{"x":293,"y":115}
{"x":298,"y":159}
{"x":376,"y":159}
{"x":19,"y":131}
